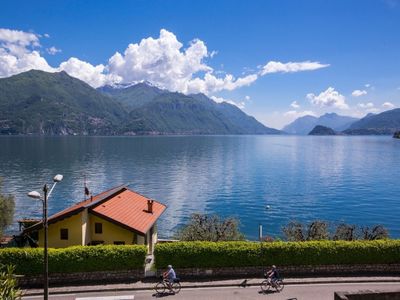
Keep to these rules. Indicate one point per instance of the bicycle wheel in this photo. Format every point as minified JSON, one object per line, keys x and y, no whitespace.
{"x":265,"y":285}
{"x":279,"y":285}
{"x":176,"y":287}
{"x":160,"y":288}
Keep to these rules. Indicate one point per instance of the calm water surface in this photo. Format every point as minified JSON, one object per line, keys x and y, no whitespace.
{"x":351,"y":179}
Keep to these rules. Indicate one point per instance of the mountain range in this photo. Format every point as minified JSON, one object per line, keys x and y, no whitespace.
{"x":385,"y":123}
{"x":304,"y":125}
{"x":37,"y":102}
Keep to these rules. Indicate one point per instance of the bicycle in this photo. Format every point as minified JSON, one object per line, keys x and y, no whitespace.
{"x":277,"y":284}
{"x":161,"y":286}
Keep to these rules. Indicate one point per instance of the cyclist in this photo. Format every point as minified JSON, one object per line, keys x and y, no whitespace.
{"x":169,"y":277}
{"x":273,"y":275}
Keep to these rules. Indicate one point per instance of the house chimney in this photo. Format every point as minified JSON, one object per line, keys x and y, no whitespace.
{"x":150,"y":206}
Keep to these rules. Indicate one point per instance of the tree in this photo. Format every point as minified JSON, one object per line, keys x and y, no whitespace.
{"x":317,"y":230}
{"x":294,"y":231}
{"x":203,"y":227}
{"x":7,"y":205}
{"x":345,"y":232}
{"x":378,"y":232}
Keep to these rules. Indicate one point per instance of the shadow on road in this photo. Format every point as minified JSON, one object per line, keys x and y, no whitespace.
{"x":161,"y":295}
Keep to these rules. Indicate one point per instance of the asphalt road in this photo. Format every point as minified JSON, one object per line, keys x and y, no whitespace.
{"x":298,"y":291}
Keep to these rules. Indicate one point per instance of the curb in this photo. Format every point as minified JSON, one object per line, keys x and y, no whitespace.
{"x":216,"y":285}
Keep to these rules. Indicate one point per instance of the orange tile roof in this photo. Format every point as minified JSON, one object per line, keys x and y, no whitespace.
{"x":129,"y":209}
{"x":119,"y":205}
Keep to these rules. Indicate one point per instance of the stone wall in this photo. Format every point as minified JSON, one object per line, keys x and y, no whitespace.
{"x":61,"y":279}
{"x":211,"y":273}
{"x":290,"y":271}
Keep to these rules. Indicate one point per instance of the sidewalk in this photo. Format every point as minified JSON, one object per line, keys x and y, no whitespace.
{"x":148,"y":285}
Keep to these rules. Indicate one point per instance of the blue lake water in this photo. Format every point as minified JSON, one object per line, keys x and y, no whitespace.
{"x":350,"y":179}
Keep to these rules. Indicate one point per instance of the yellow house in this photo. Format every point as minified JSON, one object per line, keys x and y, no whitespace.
{"x":118,"y":216}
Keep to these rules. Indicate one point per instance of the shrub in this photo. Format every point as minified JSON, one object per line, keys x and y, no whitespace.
{"x":242,"y":254}
{"x":8,"y":284}
{"x":75,"y":259}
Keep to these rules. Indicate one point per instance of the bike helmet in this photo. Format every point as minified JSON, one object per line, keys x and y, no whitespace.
{"x":169,"y":267}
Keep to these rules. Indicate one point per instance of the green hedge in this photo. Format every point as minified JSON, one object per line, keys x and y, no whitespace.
{"x":241,"y":254}
{"x":75,"y":259}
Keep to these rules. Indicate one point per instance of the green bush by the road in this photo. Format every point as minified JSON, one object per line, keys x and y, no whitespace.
{"x":241,"y":254}
{"x":75,"y":259}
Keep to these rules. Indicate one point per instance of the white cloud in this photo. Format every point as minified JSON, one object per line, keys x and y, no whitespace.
{"x":163,"y":61}
{"x":291,"y":67}
{"x":53,"y":50}
{"x":93,"y":75}
{"x":18,"y":53}
{"x":14,"y":38}
{"x":46,"y":35}
{"x":294,"y":104}
{"x":388,"y":105}
{"x":328,"y":98}
{"x":358,"y":93}
{"x":247,"y":98}
{"x":366,"y":105}
{"x":240,"y":104}
{"x":367,"y":85}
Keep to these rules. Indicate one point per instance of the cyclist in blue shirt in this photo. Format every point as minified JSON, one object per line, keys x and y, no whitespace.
{"x":169,"y":277}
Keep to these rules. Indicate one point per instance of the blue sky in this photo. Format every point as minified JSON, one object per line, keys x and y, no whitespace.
{"x":277,"y":60}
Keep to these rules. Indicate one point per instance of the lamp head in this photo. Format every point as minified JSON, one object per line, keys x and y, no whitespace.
{"x":34,"y":195}
{"x":58,"y":178}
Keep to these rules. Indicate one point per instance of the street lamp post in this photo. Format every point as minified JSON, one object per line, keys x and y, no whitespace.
{"x":46,"y":195}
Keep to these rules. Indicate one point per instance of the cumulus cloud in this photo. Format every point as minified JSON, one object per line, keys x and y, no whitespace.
{"x":93,"y":75}
{"x":53,"y":50}
{"x":18,"y":53}
{"x":163,"y":61}
{"x":291,"y":67}
{"x":328,"y":98}
{"x":358,"y":93}
{"x":388,"y":105}
{"x":294,"y":104}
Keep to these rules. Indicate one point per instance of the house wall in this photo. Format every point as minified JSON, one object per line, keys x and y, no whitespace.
{"x":111,"y":232}
{"x":74,"y":226}
{"x":81,"y":231}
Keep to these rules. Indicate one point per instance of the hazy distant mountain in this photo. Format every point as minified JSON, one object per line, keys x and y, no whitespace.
{"x":301,"y":125}
{"x":322,"y":130}
{"x":385,"y":123}
{"x":38,"y":102}
{"x":304,"y":125}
